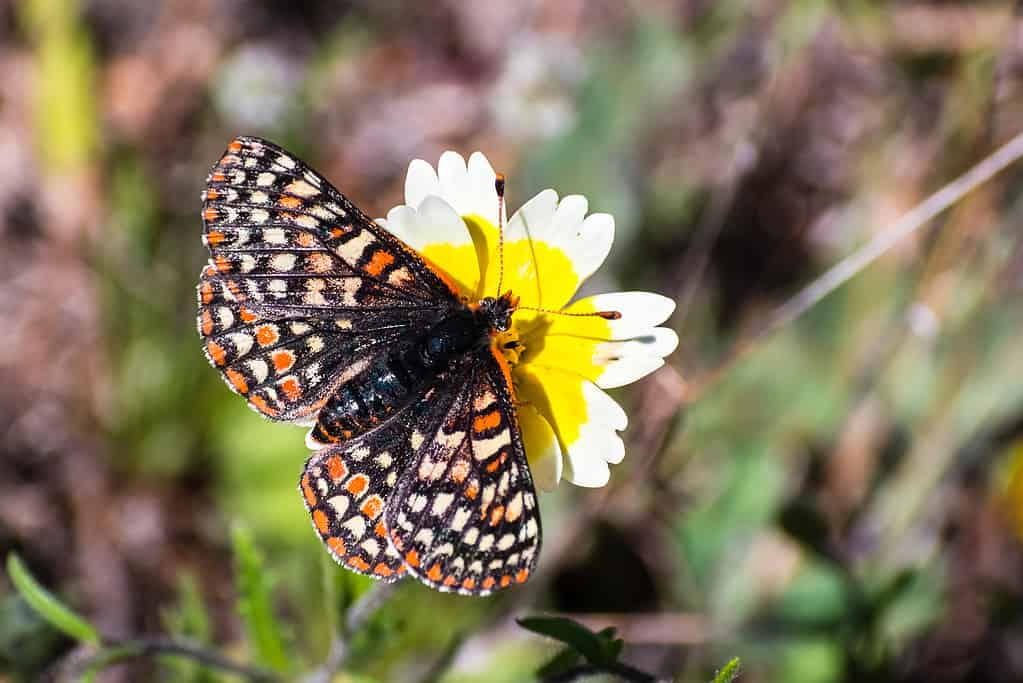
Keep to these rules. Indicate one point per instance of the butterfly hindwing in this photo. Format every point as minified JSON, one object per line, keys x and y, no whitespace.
{"x":464,"y":517}
{"x":347,"y":487}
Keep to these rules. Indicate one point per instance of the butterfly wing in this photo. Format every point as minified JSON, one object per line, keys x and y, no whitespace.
{"x":302,"y":289}
{"x":464,"y":516}
{"x":347,"y":487}
{"x":441,"y":489}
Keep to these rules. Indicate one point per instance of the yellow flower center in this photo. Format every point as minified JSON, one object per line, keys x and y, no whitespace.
{"x":549,"y":355}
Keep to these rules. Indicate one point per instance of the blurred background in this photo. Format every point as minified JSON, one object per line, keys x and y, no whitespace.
{"x":844,"y":504}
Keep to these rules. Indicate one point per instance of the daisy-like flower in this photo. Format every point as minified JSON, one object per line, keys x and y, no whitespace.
{"x":560,"y":364}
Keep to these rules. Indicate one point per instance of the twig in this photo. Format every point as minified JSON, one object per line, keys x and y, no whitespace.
{"x":853,"y":264}
{"x":126,"y":649}
{"x":356,"y":617}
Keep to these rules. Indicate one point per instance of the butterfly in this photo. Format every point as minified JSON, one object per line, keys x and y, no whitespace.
{"x":317,"y":315}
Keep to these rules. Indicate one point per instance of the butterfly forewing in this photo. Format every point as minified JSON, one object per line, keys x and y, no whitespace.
{"x":301,"y":287}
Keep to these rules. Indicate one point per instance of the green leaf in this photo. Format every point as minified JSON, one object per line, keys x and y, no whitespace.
{"x":572,"y":633}
{"x":47,"y":605}
{"x":255,"y":606}
{"x":729,"y":672}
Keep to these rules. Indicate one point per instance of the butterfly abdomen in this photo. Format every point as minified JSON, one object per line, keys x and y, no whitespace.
{"x":396,"y":377}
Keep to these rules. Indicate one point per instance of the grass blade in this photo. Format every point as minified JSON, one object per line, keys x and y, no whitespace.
{"x":47,"y":605}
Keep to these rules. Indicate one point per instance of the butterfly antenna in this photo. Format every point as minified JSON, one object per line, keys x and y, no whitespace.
{"x":499,"y":186}
{"x":606,"y":315}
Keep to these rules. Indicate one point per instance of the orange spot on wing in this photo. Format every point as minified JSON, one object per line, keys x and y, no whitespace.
{"x":505,"y":369}
{"x":377,"y":264}
{"x":235,"y":146}
{"x":217,"y":177}
{"x":304,"y":239}
{"x":382,"y":570}
{"x":211,"y":193}
{"x":207,"y":323}
{"x":214,"y":237}
{"x":237,"y":380}
{"x":321,"y":521}
{"x":522,"y":575}
{"x":266,"y":335}
{"x":290,"y":202}
{"x":216,"y":351}
{"x":484,"y":422}
{"x":492,"y":467}
{"x":307,"y":490}
{"x":206,"y":291}
{"x":401,"y":570}
{"x":472,"y":491}
{"x":358,"y":563}
{"x":223,"y":264}
{"x":372,"y":507}
{"x":247,"y":315}
{"x":283,"y":360}
{"x":291,"y":388}
{"x":434,"y":574}
{"x":488,"y":583}
{"x":505,"y":580}
{"x":210,"y":214}
{"x":320,"y":263}
{"x":496,"y":514}
{"x":337,"y":546}
{"x":459,"y":471}
{"x":412,"y":558}
{"x":357,"y":484}
{"x":263,"y":406}
{"x":335,"y":468}
{"x":469,"y":584}
{"x":381,"y":530}
{"x":449,"y":580}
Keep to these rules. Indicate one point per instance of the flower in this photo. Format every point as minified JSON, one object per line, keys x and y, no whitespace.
{"x":560,"y":364}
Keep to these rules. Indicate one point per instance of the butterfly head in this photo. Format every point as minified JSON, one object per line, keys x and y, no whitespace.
{"x":496,"y":312}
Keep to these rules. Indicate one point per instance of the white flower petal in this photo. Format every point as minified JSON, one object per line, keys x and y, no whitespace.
{"x":628,"y":370}
{"x":567,"y":220}
{"x":533,"y":218}
{"x":546,"y":463}
{"x":641,"y":311}
{"x":420,"y":182}
{"x":582,"y":470}
{"x":454,"y":182}
{"x":590,"y":247}
{"x":403,"y":222}
{"x":598,"y":443}
{"x":481,"y":177}
{"x":659,"y":342}
{"x":441,"y":223}
{"x":602,"y":409}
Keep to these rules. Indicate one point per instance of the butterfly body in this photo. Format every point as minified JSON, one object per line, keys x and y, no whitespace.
{"x":396,"y":376}
{"x":317,"y":315}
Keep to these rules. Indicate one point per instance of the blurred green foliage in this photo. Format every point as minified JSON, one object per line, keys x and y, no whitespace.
{"x":828,"y":510}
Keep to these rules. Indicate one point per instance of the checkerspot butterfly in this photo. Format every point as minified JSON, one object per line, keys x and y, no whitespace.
{"x":317,"y":315}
